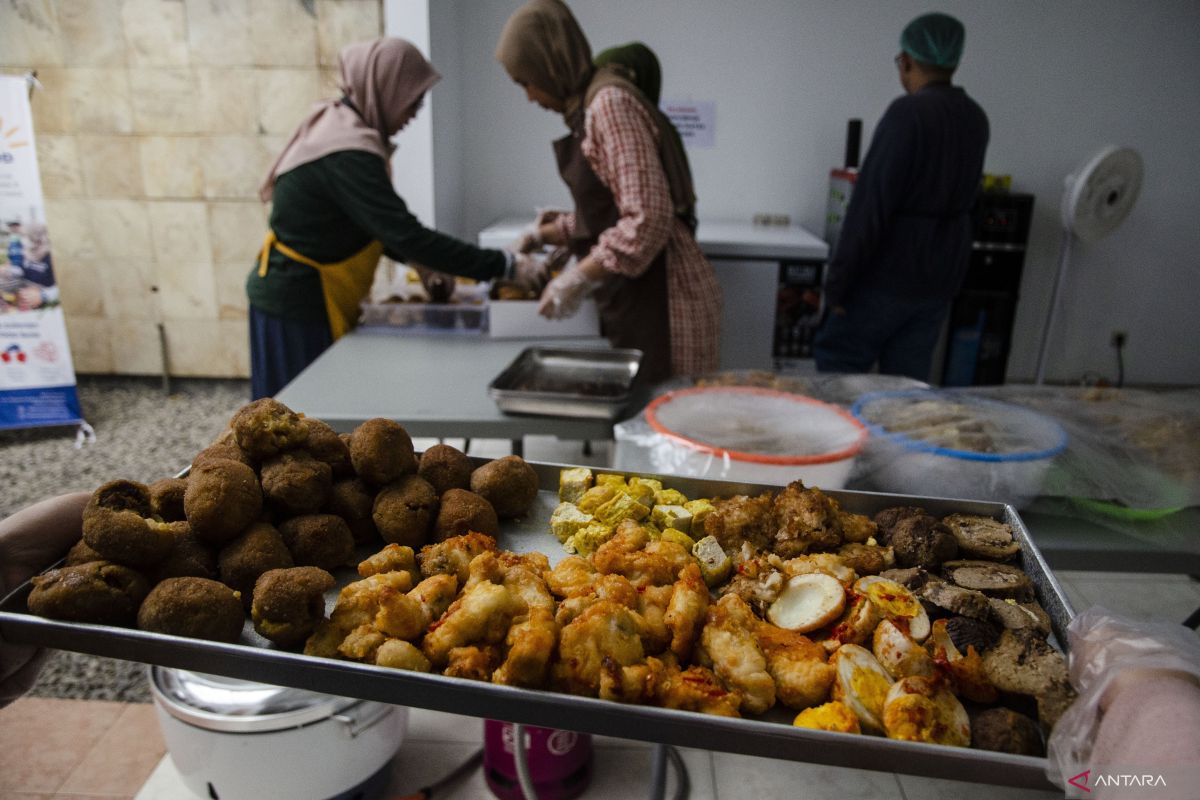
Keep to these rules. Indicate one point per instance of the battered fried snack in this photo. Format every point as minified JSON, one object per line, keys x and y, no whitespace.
{"x":445,"y":467}
{"x":381,"y":451}
{"x":189,"y":558}
{"x":404,"y":511}
{"x":223,"y":497}
{"x":195,"y":607}
{"x":166,"y":499}
{"x":922,"y":541}
{"x":266,"y":428}
{"x":296,"y":483}
{"x":741,"y":518}
{"x":318,"y":540}
{"x":460,"y":512}
{"x":288,"y":603}
{"x":116,"y":525}
{"x":508,"y":483}
{"x":325,"y":444}
{"x":98,"y":592}
{"x":805,"y":519}
{"x":81,"y":553}
{"x":353,"y":500}
{"x":258,"y":550}
{"x":225,"y":447}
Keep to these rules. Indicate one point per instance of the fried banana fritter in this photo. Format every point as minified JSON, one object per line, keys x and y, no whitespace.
{"x":117,"y":524}
{"x":288,"y":603}
{"x":404,"y":511}
{"x":267,"y":427}
{"x":382,"y":451}
{"x":194,"y":607}
{"x":461,"y":511}
{"x":296,"y":483}
{"x":445,"y":467}
{"x":508,"y":483}
{"x":98,"y":592}
{"x":223,"y":497}
{"x":318,"y":540}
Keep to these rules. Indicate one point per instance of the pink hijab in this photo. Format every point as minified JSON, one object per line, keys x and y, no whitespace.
{"x":383,"y":79}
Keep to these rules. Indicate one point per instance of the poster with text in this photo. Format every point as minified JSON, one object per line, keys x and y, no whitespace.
{"x":37,"y":377}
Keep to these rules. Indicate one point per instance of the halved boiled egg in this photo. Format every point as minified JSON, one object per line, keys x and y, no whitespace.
{"x":808,"y":602}
{"x":920,"y":709}
{"x":896,"y":602}
{"x":861,"y":684}
{"x":898,"y":653}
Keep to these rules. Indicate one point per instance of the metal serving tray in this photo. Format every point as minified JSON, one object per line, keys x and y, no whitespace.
{"x":567,"y":382}
{"x":770,"y":736}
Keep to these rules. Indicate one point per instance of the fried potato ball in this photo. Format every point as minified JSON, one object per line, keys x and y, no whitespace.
{"x":189,"y":558}
{"x":295,"y":483}
{"x":194,"y":607}
{"x":404,"y":511}
{"x":116,"y":525}
{"x":242,"y":561}
{"x":288,"y":603}
{"x":98,"y":592}
{"x":445,"y":467}
{"x":81,"y":553}
{"x":460,"y":512}
{"x":325,"y":444}
{"x":224,"y":447}
{"x":318,"y":540}
{"x":166,"y":499}
{"x":353,"y":500}
{"x":508,"y":483}
{"x":223,"y":497}
{"x":267,"y":427}
{"x":382,"y":451}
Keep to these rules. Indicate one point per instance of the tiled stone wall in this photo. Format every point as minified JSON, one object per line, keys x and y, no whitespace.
{"x":157,"y":123}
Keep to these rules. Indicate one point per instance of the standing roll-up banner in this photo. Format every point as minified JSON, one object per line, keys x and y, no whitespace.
{"x":37,"y":377}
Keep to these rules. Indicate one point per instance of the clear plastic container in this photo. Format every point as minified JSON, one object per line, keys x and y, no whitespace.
{"x":449,"y":318}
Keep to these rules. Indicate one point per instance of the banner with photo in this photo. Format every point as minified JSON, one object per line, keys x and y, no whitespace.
{"x":37,"y":377}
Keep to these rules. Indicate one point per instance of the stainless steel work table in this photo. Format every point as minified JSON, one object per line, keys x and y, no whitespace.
{"x":434,"y":385}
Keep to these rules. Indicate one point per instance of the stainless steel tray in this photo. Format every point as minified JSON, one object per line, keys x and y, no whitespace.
{"x":770,"y":736}
{"x":567,"y":382}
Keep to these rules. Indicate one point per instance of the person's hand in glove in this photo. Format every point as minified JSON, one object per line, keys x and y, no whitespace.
{"x":30,"y":540}
{"x":541,"y":233}
{"x":563,"y":296}
{"x":438,"y":285}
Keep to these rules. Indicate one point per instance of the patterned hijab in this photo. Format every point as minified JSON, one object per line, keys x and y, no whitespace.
{"x":542,"y":45}
{"x":381,"y":82}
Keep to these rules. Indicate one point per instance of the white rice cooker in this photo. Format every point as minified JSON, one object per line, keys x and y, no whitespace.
{"x":232,"y":739}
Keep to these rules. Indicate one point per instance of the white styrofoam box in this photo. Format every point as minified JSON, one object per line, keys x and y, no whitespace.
{"x":519,"y":319}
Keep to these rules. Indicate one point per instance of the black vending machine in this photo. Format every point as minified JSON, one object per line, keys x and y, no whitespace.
{"x":979,"y":332}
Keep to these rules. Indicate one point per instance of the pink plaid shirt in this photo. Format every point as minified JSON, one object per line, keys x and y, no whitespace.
{"x":621,"y":145}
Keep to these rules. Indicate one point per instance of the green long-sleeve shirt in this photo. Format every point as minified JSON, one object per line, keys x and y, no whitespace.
{"x":331,"y":208}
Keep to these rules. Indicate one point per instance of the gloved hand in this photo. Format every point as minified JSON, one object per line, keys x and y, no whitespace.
{"x":30,"y":540}
{"x":529,"y":241}
{"x":438,"y":285}
{"x":563,"y":296}
{"x":529,"y":271}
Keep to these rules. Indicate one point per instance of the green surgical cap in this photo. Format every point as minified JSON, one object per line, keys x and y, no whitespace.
{"x":935,"y":39}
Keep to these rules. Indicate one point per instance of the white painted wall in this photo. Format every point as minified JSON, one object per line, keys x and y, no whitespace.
{"x":414,"y":158}
{"x":1058,"y":80}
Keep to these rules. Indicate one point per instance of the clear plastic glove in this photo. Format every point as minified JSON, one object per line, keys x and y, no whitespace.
{"x":30,"y":540}
{"x":1108,"y":654}
{"x":563,"y":296}
{"x":529,"y":271}
{"x":529,"y":241}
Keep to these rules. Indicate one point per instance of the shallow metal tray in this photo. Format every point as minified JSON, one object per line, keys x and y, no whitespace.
{"x":567,"y":382}
{"x":770,"y":736}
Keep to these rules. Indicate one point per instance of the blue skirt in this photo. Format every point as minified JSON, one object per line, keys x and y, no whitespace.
{"x":280,"y":349}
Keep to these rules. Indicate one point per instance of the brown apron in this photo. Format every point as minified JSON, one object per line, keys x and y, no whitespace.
{"x":633,"y":311}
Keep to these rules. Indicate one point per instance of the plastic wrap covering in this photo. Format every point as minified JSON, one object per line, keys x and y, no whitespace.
{"x":954,"y":444}
{"x":741,"y":433}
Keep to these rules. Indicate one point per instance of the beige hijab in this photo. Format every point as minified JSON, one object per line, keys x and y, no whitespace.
{"x":542,"y":45}
{"x":381,"y":81}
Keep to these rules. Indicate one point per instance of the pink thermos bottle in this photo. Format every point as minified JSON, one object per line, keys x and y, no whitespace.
{"x":560,"y":762}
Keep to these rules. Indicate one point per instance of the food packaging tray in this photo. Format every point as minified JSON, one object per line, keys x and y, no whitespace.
{"x":567,"y":382}
{"x":769,"y":736}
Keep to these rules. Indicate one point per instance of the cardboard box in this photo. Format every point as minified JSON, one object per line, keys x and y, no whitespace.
{"x":518,"y":319}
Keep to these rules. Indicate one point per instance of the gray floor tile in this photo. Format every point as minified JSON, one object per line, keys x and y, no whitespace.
{"x":751,"y":777}
{"x":1141,"y":597}
{"x":916,"y":788}
{"x":437,"y":726}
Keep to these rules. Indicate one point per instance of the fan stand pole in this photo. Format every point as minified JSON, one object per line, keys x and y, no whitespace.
{"x":1064,"y":255}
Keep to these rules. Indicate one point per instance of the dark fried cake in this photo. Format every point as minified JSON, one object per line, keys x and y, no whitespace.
{"x":189,"y":558}
{"x":117,"y":525}
{"x":256,"y":551}
{"x":288,"y":603}
{"x":353,"y":500}
{"x":223,"y":497}
{"x":325,"y":444}
{"x":508,"y":483}
{"x":81,"y":553}
{"x":195,"y":607}
{"x":166,"y":499}
{"x":296,"y":483}
{"x":382,"y":451}
{"x":266,"y":428}
{"x":445,"y":467}
{"x":404,"y":511}
{"x":318,"y":540}
{"x":460,"y":512}
{"x":98,"y":592}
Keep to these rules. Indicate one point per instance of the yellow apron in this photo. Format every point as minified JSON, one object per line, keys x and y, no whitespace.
{"x":344,"y":284}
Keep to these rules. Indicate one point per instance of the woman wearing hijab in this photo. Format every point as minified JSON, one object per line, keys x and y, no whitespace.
{"x":632,"y":231}
{"x":335,"y":212}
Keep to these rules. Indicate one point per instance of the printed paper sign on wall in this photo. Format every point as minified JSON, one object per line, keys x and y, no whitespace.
{"x":696,"y":121}
{"x":37,"y":377}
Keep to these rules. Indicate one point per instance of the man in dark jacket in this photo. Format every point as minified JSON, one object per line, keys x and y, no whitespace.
{"x":906,"y":238}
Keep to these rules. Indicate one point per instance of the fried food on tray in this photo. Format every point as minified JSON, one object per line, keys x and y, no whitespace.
{"x":473,"y":662}
{"x":460,"y":512}
{"x":831,"y":716}
{"x":508,"y":483}
{"x":445,"y":467}
{"x":686,"y":611}
{"x":454,"y":556}
{"x":480,"y":615}
{"x":117,"y":525}
{"x":887,"y":519}
{"x":288,"y":603}
{"x":1006,"y":731}
{"x":189,"y":557}
{"x":407,"y":616}
{"x":325,"y":445}
{"x":399,"y":654}
{"x":81,"y":553}
{"x":696,"y":688}
{"x":595,"y":647}
{"x":382,"y":451}
{"x":391,"y":558}
{"x":194,"y":607}
{"x":318,"y":540}
{"x":357,"y":606}
{"x":572,"y":575}
{"x":920,"y":709}
{"x":728,"y":646}
{"x":224,"y":448}
{"x":920,"y":540}
{"x":266,"y":427}
{"x":166,"y":499}
{"x":223,"y":497}
{"x":738,"y":519}
{"x":805,"y":519}
{"x":258,"y":550}
{"x":631,"y":552}
{"x":98,"y":592}
{"x":295,"y":483}
{"x":867,"y":559}
{"x":404,"y":511}
{"x":353,"y":500}
{"x":531,"y":644}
